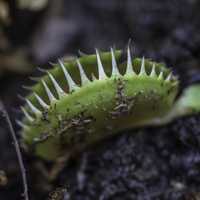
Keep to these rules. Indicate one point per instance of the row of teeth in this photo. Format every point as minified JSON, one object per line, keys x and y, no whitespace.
{"x":85,"y":80}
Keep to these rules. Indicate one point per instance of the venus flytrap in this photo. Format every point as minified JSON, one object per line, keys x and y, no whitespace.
{"x":83,"y":101}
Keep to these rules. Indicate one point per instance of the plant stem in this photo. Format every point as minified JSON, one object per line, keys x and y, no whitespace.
{"x":17,"y":148}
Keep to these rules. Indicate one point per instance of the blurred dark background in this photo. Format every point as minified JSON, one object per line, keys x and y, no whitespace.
{"x":167,"y":160}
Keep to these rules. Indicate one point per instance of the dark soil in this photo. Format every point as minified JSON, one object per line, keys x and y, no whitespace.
{"x":145,"y":164}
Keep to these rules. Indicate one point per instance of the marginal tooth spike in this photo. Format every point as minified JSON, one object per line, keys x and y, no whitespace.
{"x":142,"y":70}
{"x":72,"y":85}
{"x":41,"y":101}
{"x":129,"y":69}
{"x":22,"y":125}
{"x":48,"y":91}
{"x":52,"y":64}
{"x":115,"y":71}
{"x":35,"y":110}
{"x":169,"y":77}
{"x":101,"y":72}
{"x":59,"y":90}
{"x":81,"y":53}
{"x":84,"y":78}
{"x":160,"y":77}
{"x":153,"y":71}
{"x":36,"y":79}
{"x":29,"y":88}
{"x":41,"y":70}
{"x":28,"y":116}
{"x":21,"y":97}
{"x":93,"y":77}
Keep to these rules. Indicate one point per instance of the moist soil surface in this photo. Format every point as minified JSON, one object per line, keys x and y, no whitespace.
{"x":143,"y":164}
